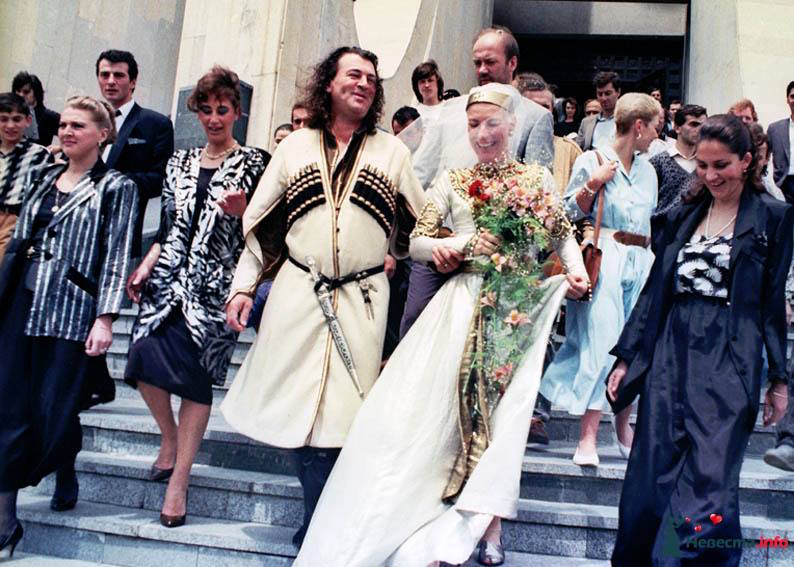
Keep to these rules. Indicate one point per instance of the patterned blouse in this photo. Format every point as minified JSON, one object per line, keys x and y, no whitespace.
{"x":703,"y":266}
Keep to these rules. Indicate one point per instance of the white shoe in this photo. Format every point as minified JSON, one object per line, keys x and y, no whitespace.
{"x":624,"y":451}
{"x":585,"y":460}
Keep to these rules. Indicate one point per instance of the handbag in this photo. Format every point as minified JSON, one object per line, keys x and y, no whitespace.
{"x":591,"y":253}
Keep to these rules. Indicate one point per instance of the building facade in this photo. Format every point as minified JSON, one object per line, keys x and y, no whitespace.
{"x":704,"y":51}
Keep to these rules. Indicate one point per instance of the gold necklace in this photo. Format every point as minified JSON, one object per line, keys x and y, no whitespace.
{"x":220,"y":155}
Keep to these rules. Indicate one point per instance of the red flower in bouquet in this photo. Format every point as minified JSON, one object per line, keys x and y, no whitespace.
{"x":476,"y":190}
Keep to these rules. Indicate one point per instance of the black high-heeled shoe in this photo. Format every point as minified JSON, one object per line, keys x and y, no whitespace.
{"x":174,"y":521}
{"x":489,"y":553}
{"x":8,"y":546}
{"x":67,"y":489}
{"x":157,"y":474}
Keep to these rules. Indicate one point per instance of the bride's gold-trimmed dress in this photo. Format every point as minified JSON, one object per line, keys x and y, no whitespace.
{"x":421,"y":475}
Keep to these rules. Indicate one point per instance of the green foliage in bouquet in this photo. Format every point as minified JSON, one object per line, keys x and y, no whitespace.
{"x":516,"y":206}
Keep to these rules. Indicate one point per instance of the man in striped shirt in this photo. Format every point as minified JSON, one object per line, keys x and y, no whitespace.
{"x":17,"y":156}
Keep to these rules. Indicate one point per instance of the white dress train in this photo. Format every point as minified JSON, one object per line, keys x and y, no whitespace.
{"x":382,"y":503}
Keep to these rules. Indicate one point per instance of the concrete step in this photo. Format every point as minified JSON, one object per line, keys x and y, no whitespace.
{"x":551,"y":475}
{"x":273,"y":498}
{"x":126,"y":426}
{"x":564,"y":428}
{"x":215,"y":492}
{"x":516,"y":559}
{"x":101,"y":533}
{"x":124,"y":536}
{"x":29,"y":560}
{"x":588,"y":530}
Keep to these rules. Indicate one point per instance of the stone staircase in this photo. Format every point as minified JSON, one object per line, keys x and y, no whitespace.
{"x":245,"y":502}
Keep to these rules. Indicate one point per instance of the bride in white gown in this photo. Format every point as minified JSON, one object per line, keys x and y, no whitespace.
{"x":428,"y":466}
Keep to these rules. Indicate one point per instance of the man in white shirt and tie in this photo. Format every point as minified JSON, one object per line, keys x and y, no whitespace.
{"x":599,"y":131}
{"x":145,"y":139}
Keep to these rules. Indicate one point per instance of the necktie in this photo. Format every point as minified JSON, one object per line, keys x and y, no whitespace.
{"x":118,"y":113}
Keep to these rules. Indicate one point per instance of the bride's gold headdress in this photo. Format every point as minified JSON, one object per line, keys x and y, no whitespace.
{"x":491,"y":97}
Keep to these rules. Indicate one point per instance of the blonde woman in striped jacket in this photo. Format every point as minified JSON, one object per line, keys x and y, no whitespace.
{"x":61,"y":284}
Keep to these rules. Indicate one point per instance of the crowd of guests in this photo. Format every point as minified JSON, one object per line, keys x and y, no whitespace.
{"x":683,"y":308}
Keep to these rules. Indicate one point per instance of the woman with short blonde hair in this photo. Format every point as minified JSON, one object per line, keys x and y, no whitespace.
{"x":632,"y":107}
{"x":628,"y":186}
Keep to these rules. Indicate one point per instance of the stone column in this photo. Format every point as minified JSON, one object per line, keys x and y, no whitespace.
{"x":273,"y":44}
{"x":741,"y":49}
{"x":59,"y":40}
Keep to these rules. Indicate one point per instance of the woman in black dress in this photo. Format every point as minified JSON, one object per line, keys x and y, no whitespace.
{"x":61,"y":284}
{"x":181,"y":344}
{"x":693,"y":349}
{"x":569,"y":125}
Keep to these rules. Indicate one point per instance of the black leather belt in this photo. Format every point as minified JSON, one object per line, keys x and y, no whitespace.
{"x":334,"y":283}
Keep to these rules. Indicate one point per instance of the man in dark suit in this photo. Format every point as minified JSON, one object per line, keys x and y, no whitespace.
{"x":781,"y":143}
{"x":145,"y":139}
{"x":44,"y":126}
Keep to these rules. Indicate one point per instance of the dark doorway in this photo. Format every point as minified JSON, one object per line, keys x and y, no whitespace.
{"x":571,"y":61}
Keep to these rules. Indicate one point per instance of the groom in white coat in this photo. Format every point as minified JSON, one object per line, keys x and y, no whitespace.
{"x":342,"y":193}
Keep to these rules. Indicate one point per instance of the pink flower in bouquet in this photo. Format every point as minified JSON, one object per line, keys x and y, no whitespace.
{"x":539,"y":209}
{"x":488,"y":300}
{"x":519,"y":199}
{"x":498,"y":260}
{"x":516,"y":318}
{"x":549,"y":199}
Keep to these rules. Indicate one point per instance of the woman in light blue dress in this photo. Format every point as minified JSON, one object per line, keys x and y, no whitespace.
{"x":575,"y":380}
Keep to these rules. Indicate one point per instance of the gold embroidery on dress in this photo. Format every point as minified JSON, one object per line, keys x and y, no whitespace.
{"x":429,"y":221}
{"x":476,"y":402}
{"x":460,"y":179}
{"x":474,"y":432}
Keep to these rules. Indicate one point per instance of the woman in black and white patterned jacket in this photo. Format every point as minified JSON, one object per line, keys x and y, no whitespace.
{"x":181,"y":344}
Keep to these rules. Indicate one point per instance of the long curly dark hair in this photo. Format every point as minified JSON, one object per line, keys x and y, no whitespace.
{"x":733,"y":133}
{"x":317,"y":100}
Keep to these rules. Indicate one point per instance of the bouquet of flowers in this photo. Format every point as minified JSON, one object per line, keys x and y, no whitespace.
{"x":527,"y":216}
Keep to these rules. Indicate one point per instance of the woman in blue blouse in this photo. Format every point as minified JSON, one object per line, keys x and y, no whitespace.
{"x":575,"y":380}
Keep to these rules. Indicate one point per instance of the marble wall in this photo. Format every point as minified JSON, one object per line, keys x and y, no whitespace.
{"x":59,"y":41}
{"x":244,"y":35}
{"x":273,"y":45}
{"x":741,"y":48}
{"x":744,"y":46}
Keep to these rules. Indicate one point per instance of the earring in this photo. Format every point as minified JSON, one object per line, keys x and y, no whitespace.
{"x":639,"y":135}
